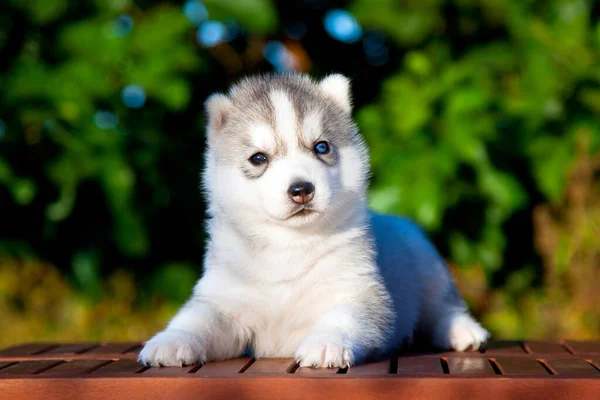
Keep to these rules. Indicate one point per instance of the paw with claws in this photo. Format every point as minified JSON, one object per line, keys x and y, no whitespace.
{"x":324,"y":351}
{"x":173,"y":348}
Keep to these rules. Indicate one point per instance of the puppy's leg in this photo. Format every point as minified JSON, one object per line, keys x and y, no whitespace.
{"x":444,"y":314}
{"x":344,"y":336}
{"x":199,"y":332}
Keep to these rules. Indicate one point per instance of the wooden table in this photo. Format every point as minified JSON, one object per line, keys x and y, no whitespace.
{"x":505,"y":370}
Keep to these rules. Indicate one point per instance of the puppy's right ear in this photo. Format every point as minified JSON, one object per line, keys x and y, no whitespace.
{"x":218,"y":107}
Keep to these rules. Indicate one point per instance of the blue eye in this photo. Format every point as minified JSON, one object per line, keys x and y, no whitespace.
{"x":322,"y":148}
{"x":258,"y":159}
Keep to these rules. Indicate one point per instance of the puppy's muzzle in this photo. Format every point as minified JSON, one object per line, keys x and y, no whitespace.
{"x":301,"y":192}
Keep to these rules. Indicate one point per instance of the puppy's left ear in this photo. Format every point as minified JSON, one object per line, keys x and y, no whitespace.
{"x":218,"y":107}
{"x":337,"y":88}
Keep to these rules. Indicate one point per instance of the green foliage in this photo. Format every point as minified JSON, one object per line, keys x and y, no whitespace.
{"x":467,"y":122}
{"x":258,"y":16}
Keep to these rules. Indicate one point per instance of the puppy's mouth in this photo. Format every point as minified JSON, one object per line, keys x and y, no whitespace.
{"x":302,"y":212}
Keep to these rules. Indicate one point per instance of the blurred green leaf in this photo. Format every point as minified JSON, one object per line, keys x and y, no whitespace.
{"x":256,"y":15}
{"x":175,"y":281}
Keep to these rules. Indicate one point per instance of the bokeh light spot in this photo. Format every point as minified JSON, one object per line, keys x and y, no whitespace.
{"x":195,"y":11}
{"x":105,"y":120}
{"x":341,"y":25}
{"x":211,"y":33}
{"x":279,"y":56}
{"x":133,"y":96}
{"x":122,"y":25}
{"x":2,"y":128}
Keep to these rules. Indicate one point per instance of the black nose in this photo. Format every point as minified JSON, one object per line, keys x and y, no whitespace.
{"x":301,"y":192}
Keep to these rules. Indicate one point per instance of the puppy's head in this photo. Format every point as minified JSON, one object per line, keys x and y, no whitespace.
{"x":282,"y":149}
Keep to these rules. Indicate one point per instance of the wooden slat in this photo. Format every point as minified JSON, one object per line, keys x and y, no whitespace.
{"x":584,"y":347}
{"x":538,"y":347}
{"x":572,"y":367}
{"x":77,"y":367}
{"x":223,"y":368}
{"x":505,"y":347}
{"x":26,"y":349}
{"x":264,"y":366}
{"x":520,"y":366}
{"x":28,"y":367}
{"x":377,"y":368}
{"x":251,"y":388}
{"x":170,"y":371}
{"x":71,"y":349}
{"x":307,"y":371}
{"x":119,"y":367}
{"x":134,"y":351}
{"x":6,"y":364}
{"x":113,"y":348}
{"x":475,"y":365}
{"x":420,"y":366}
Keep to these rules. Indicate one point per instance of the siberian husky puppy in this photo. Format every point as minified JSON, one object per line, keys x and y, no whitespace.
{"x":296,"y":265}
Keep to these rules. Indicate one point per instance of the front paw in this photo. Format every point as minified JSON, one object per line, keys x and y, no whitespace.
{"x":173,"y":348}
{"x":324,"y":351}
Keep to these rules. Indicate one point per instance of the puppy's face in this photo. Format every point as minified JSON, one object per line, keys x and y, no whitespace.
{"x":284,"y":150}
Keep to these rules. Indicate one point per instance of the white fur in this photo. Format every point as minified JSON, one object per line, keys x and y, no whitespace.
{"x":337,"y":87}
{"x":262,"y":137}
{"x":332,"y":288}
{"x":217,"y":107}
{"x":311,"y":126}
{"x":285,"y":117}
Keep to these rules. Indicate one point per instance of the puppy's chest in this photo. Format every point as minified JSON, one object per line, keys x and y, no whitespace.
{"x":286,"y":315}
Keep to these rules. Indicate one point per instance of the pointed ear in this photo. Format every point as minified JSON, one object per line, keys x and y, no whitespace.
{"x":217,"y":107}
{"x":337,"y":88}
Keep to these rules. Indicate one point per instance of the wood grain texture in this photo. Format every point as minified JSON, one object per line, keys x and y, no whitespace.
{"x":573,"y":367}
{"x":228,"y":368}
{"x":420,"y":366}
{"x":584,"y":347}
{"x":377,"y":368}
{"x":26,"y":349}
{"x":505,"y":370}
{"x":250,"y":388}
{"x":27,"y":368}
{"x":471,"y":365}
{"x":270,"y":366}
{"x":539,"y":347}
{"x":74,"y":368}
{"x":513,"y":366}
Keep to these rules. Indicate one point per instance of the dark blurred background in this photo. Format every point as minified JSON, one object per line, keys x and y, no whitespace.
{"x":481,"y":115}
